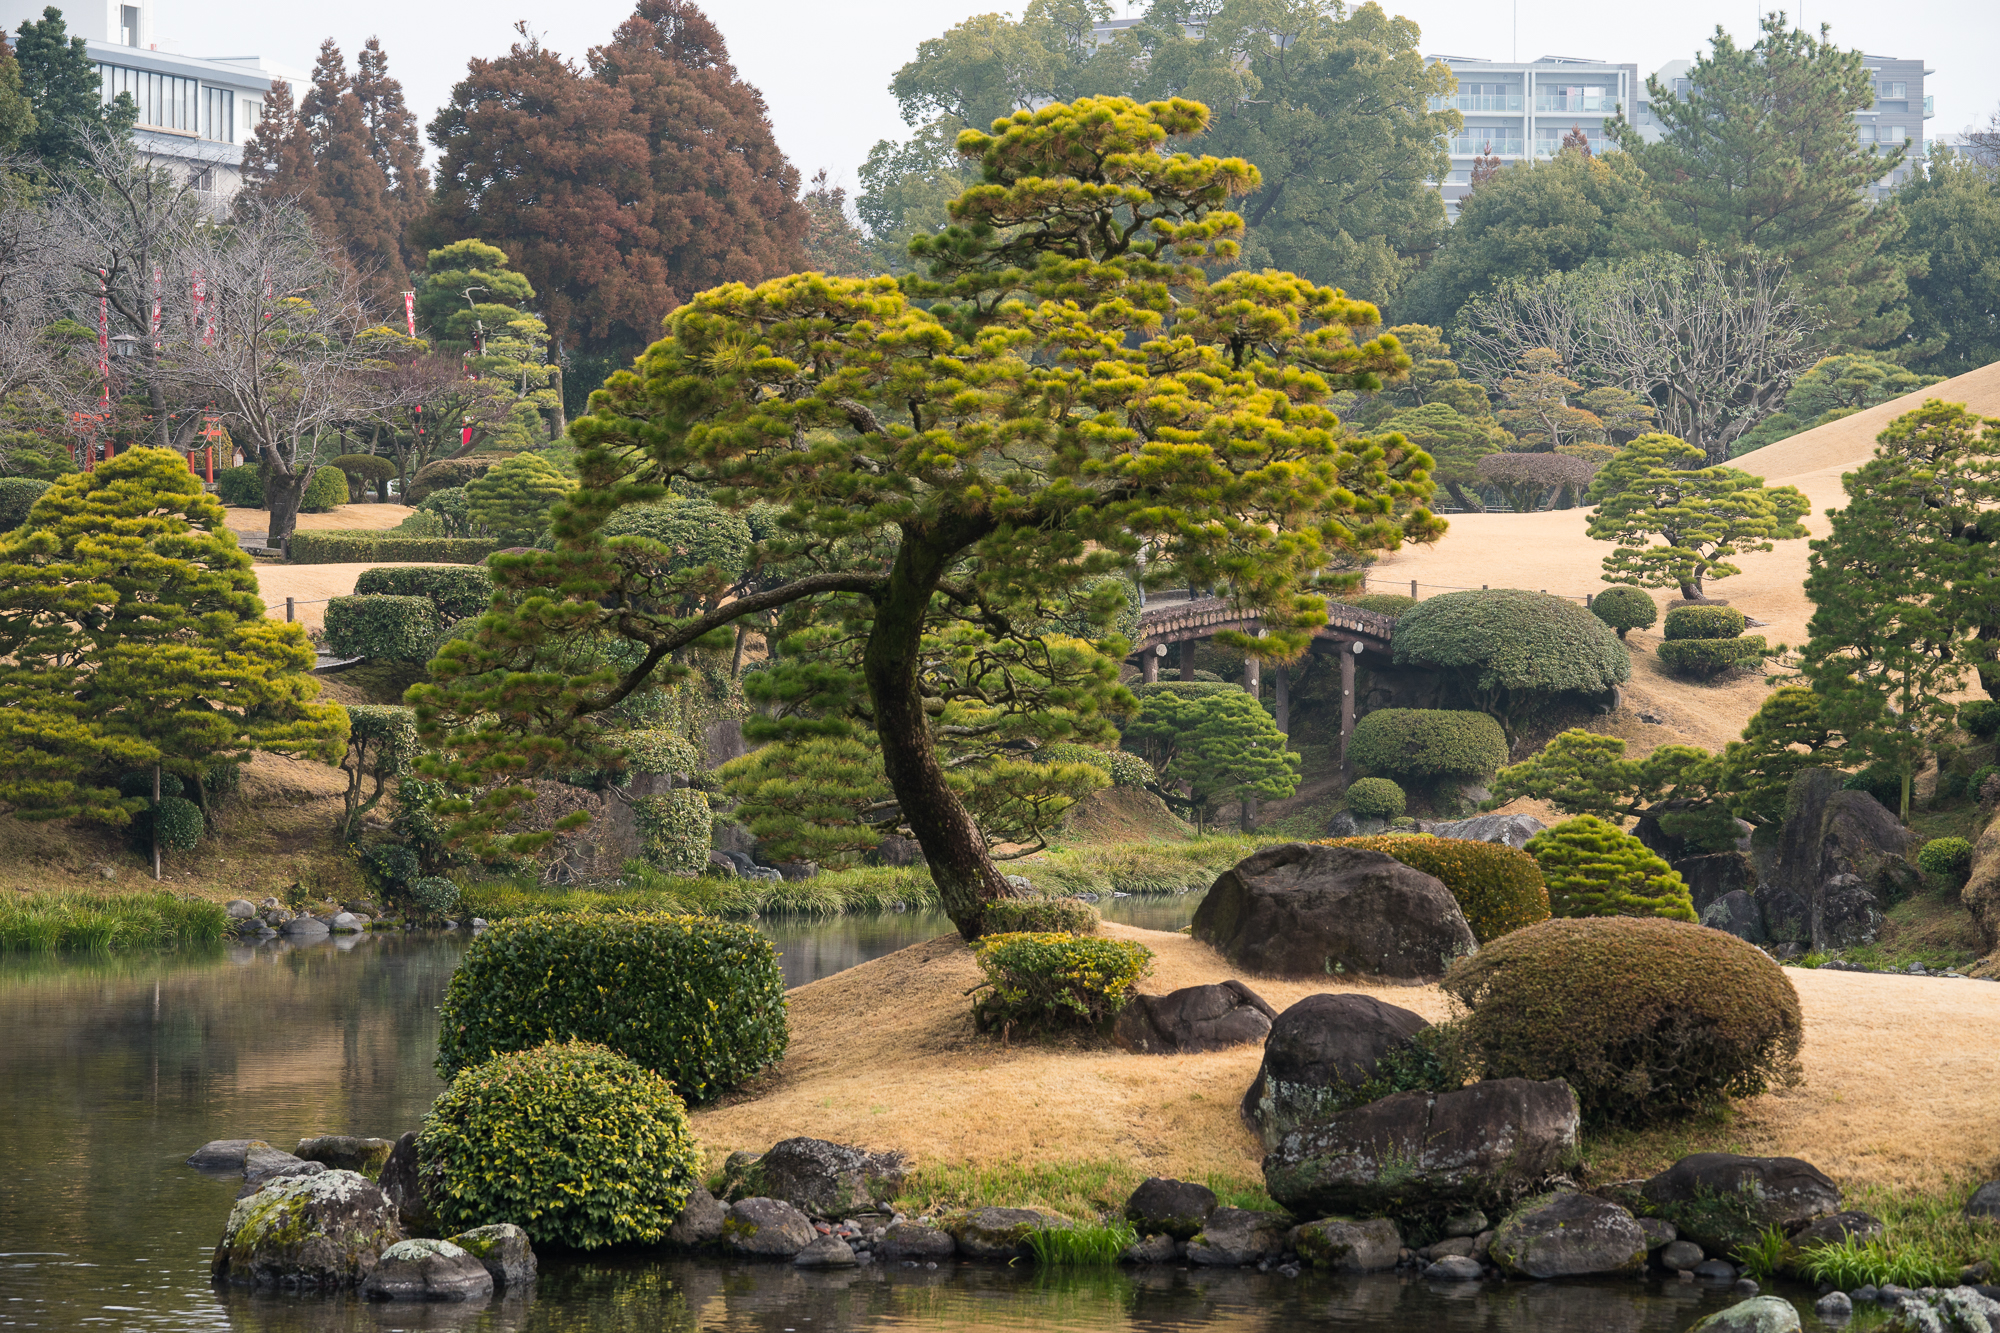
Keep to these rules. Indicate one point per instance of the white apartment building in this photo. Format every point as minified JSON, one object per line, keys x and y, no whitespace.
{"x":194,"y":112}
{"x":1519,"y":110}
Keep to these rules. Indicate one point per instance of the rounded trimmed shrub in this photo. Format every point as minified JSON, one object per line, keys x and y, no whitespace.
{"x":1499,"y":888}
{"x":1509,"y":651}
{"x":1647,"y":1019}
{"x":179,"y":822}
{"x":457,"y":591}
{"x":1388,"y":603}
{"x":1980,"y":719}
{"x":1703,"y":622}
{"x":1375,"y":798}
{"x":139,"y":782}
{"x":364,"y":471}
{"x":571,"y":1142}
{"x":1124,"y":768}
{"x":325,"y":491}
{"x":1704,"y":658}
{"x":241,"y":487}
{"x":513,"y":500}
{"x":1593,"y":868}
{"x":697,"y":1000}
{"x":1426,"y":743}
{"x":1948,"y":859}
{"x":1038,"y":980}
{"x":17,"y":497}
{"x":1624,"y":607}
{"x":1045,"y":916}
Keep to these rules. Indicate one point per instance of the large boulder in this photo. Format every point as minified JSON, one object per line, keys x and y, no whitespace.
{"x":1474,"y":1147}
{"x":1568,"y":1235}
{"x":324,"y":1232}
{"x":1236,"y":1236}
{"x":822,"y":1179}
{"x":1736,"y":913}
{"x":251,"y":1184}
{"x":427,"y":1270}
{"x":1715,"y":875}
{"x":700,"y":1222}
{"x":504,"y":1250}
{"x":1297,"y":910}
{"x":261,"y":1162}
{"x":1981,"y":894}
{"x":770,"y":1228}
{"x":1342,"y":1246}
{"x":345,"y":1152}
{"x":1721,"y":1201}
{"x":1319,"y":1048}
{"x":1759,"y":1314}
{"x":997,"y":1233}
{"x":222,"y":1154}
{"x":917,"y":1240}
{"x":1176,"y":1208}
{"x":1837,"y":858}
{"x":1513,"y":830}
{"x":1985,"y":1201}
{"x":1193,"y":1019}
{"x":404,"y":1187}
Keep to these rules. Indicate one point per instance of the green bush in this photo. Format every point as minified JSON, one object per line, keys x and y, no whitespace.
{"x":386,"y":629}
{"x":1703,"y":622}
{"x":674,"y":830}
{"x":1388,"y":603}
{"x":1980,"y":718}
{"x":1428,"y":743}
{"x":695,"y":533}
{"x":1624,"y":607}
{"x":450,"y":510}
{"x":1704,"y":658}
{"x":325,"y":491}
{"x":1880,"y":780}
{"x":1647,"y":1019}
{"x":1510,"y":652}
{"x":17,"y":497}
{"x":445,"y":474}
{"x":1048,"y":916}
{"x":1186,"y":689}
{"x":365,"y":471}
{"x":457,"y":591}
{"x":658,"y":751}
{"x":1594,"y":869}
{"x":512,"y":501}
{"x":242,"y":487}
{"x":390,"y":868}
{"x":431,"y":897}
{"x":1125,"y":769}
{"x":139,"y":782}
{"x":572,"y":1142}
{"x":1948,"y":859}
{"x":1499,"y":888}
{"x":697,"y":1000}
{"x":335,"y":546}
{"x":1049,"y":980}
{"x":179,"y":822}
{"x":1375,"y":798}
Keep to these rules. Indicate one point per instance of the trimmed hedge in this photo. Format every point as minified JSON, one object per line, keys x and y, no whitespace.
{"x":365,"y":471}
{"x":697,"y":1000}
{"x":1426,"y":743}
{"x":1509,"y":649}
{"x":1186,"y":689}
{"x":675,"y":830}
{"x":341,"y":546}
{"x":1053,"y":980}
{"x":1624,"y":607}
{"x":326,"y":491}
{"x":1499,"y":888}
{"x":1125,"y":769}
{"x":457,"y":592}
{"x":572,"y":1142}
{"x":1593,"y":868}
{"x":445,"y":474}
{"x":387,"y":629}
{"x":1375,"y":798}
{"x":1047,"y":916}
{"x":1647,"y":1019}
{"x":1703,"y":622}
{"x":17,"y":497}
{"x":1703,"y":658}
{"x":242,"y":486}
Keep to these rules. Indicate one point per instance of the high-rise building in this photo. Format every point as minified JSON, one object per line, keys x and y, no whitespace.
{"x":194,"y":113}
{"x":1520,"y":110}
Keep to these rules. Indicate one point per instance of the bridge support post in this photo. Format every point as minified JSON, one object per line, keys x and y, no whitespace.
{"x":1281,"y":688}
{"x":1253,"y":678}
{"x":1149,"y":666}
{"x":1187,"y":659}
{"x":1347,"y":656}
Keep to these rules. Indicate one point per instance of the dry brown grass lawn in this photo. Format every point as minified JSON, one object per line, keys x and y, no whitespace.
{"x":1901,"y":1089}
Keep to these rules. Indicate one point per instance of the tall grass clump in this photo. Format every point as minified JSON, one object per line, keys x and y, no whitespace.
{"x":69,"y":922}
{"x":1926,"y":1240}
{"x":1093,"y":1246}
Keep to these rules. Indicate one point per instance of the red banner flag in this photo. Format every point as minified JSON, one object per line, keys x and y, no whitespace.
{"x":103,"y":342}
{"x":410,"y":311}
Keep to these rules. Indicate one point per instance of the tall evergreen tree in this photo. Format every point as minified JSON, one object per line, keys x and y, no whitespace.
{"x":64,"y":93}
{"x":278,"y":162}
{"x":17,"y":118}
{"x":355,"y":188}
{"x":1761,"y":155}
{"x":1953,"y":210}
{"x":394,"y":140}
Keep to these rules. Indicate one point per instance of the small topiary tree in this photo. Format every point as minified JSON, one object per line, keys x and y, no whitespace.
{"x":1509,"y":652}
{"x":326,"y":492}
{"x":571,"y":1142}
{"x":179,"y":823}
{"x":17,"y":497}
{"x":695,"y":999}
{"x":1594,"y":869}
{"x":1223,"y":746}
{"x":1624,"y":607}
{"x":1948,"y":860}
{"x":1428,"y":744}
{"x":1647,"y":1019}
{"x":1375,"y":798}
{"x":1499,"y":888}
{"x":1703,"y":622}
{"x":1705,"y":641}
{"x":364,"y":471}
{"x":514,"y":499}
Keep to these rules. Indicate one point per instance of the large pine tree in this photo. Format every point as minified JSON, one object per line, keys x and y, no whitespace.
{"x":278,"y":162}
{"x":355,"y":188}
{"x":64,"y":93}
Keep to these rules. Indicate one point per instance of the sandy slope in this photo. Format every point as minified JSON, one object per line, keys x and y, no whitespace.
{"x":1902,"y":1081}
{"x":1549,"y":551}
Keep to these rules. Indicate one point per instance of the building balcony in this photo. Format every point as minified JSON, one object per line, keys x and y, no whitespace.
{"x":1471,"y":102}
{"x":1471,"y":145}
{"x":1590,"y":104}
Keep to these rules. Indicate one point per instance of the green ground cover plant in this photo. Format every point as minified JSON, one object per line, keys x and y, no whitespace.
{"x":1046,"y":981}
{"x":65,"y":922}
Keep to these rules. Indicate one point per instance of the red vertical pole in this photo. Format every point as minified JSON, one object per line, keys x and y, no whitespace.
{"x":211,"y":465}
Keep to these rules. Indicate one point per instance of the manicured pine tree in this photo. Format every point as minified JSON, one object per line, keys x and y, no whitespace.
{"x":355,"y":189}
{"x":512,"y":501}
{"x":1594,"y":869}
{"x":1225,"y":747}
{"x":393,"y":141}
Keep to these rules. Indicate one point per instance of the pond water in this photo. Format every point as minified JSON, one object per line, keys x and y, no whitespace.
{"x":113,"y":1069}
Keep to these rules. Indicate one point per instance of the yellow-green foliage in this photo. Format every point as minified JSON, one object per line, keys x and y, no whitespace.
{"x":1005,"y":916}
{"x":513,"y":500}
{"x":1428,"y":743}
{"x":571,"y":1142}
{"x":674,"y":829}
{"x":1645,"y":1018}
{"x":697,"y":1000}
{"x":1499,"y":888}
{"x":1055,"y":980}
{"x":1594,"y":869}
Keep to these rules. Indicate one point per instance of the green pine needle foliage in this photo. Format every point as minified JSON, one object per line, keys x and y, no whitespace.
{"x":699,"y":1001}
{"x":513,"y":500}
{"x":572,"y":1142}
{"x":1594,"y":869}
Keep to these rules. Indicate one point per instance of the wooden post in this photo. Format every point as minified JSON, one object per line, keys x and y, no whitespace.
{"x":288,"y":610}
{"x":1347,"y":655}
{"x":156,"y":821}
{"x":1253,"y":678}
{"x":1149,"y":665}
{"x":1413,"y":589}
{"x":1281,"y":690}
{"x":1187,"y":659}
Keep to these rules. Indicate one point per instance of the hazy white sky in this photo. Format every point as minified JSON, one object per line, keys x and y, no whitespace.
{"x":824,"y":67}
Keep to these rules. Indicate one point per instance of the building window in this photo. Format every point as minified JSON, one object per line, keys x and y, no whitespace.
{"x":1892,"y":134}
{"x":165,"y":102}
{"x":1866,"y":131}
{"x":219,"y":114}
{"x":1886,"y":89}
{"x":1593,"y":98}
{"x":1681,"y":87}
{"x":128,"y":25}
{"x":253,"y":112}
{"x":203,"y":180}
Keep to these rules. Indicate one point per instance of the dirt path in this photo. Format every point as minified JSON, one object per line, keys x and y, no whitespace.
{"x":309,"y":587}
{"x":371,"y":517}
{"x":1902,"y":1081}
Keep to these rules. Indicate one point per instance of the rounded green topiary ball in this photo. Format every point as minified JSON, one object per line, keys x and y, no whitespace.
{"x":571,"y":1142}
{"x":1950,"y":859}
{"x":1624,"y":607}
{"x":1375,"y":798}
{"x":179,"y":822}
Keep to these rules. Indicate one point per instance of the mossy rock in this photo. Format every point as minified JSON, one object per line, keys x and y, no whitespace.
{"x":997,"y":1233}
{"x":314,"y":1233}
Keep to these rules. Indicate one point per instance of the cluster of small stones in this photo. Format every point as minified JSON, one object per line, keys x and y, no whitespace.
{"x":270,"y":918}
{"x":1913,"y":970}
